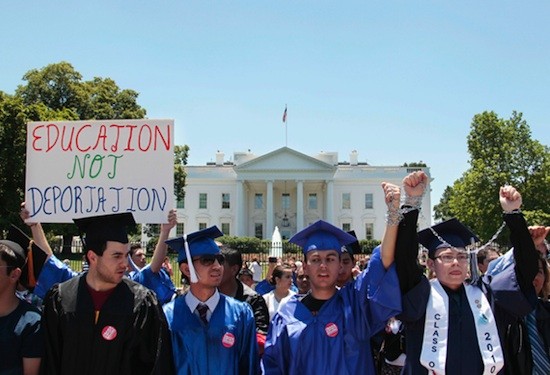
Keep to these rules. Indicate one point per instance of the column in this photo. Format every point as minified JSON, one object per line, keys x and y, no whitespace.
{"x":269,"y":210}
{"x":299,"y":205}
{"x":330,"y":201}
{"x":241,"y":211}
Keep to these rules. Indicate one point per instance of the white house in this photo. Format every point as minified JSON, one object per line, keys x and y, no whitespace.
{"x":250,"y":195}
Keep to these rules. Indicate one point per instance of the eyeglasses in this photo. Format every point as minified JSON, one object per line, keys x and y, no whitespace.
{"x":447,"y":258}
{"x":208,"y":260}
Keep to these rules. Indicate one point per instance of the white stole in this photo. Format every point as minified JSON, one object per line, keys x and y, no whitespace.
{"x":436,"y":326}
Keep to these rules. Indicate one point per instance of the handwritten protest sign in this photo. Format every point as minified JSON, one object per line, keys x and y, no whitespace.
{"x":89,"y":168}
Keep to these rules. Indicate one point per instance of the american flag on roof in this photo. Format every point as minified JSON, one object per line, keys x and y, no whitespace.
{"x":284,"y":115}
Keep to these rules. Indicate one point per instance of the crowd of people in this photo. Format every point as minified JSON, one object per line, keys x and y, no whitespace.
{"x":429,"y":302}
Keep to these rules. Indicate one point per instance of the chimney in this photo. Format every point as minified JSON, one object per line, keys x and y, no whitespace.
{"x":353,"y":158}
{"x":219,"y":157}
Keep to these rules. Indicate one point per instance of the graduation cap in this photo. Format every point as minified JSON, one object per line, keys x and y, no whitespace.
{"x":196,"y":244}
{"x":354,"y":247}
{"x":322,"y":236}
{"x":31,"y":257}
{"x":104,"y":228}
{"x":453,"y":232}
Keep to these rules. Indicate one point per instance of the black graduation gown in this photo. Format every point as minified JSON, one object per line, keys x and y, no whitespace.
{"x":510,"y":295}
{"x":130,"y":336}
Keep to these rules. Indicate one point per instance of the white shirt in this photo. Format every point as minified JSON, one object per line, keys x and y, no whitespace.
{"x":211,"y":302}
{"x":256,"y":271}
{"x":272,"y":304}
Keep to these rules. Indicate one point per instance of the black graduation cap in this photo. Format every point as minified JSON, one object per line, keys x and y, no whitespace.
{"x":113,"y":227}
{"x":322,"y":236}
{"x":31,"y":256}
{"x":354,"y":247}
{"x":453,"y":232}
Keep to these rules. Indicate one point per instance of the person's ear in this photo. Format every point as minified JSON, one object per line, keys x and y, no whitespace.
{"x":92,"y":257}
{"x":184,"y":268}
{"x":15,"y":274}
{"x":431,"y":264}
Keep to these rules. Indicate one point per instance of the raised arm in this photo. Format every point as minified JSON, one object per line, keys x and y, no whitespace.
{"x":38,"y":235}
{"x":392,"y":197}
{"x":161,"y":249}
{"x":406,"y":247}
{"x":525,"y":254}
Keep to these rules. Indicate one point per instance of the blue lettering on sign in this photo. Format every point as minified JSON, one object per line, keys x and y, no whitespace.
{"x":87,"y":199}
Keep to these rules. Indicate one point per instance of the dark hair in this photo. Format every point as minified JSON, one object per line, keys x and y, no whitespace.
{"x":351,"y":255}
{"x":8,"y":256}
{"x":97,"y":247}
{"x":482,"y":254}
{"x":232,"y":256}
{"x":278,"y":272}
{"x":134,"y":247}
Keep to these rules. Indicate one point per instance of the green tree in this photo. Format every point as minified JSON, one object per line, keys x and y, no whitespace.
{"x":501,"y":152}
{"x":57,"y":92}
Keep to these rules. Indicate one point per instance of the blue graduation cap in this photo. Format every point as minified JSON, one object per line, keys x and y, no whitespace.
{"x":195,"y":244}
{"x":322,"y":236}
{"x":113,"y":227}
{"x":453,"y":233}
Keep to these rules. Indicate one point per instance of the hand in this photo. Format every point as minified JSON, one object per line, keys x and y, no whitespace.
{"x":24,"y":214}
{"x":392,"y":196}
{"x":415,"y":184}
{"x":172,"y":221}
{"x":510,"y":198}
{"x":538,"y":233}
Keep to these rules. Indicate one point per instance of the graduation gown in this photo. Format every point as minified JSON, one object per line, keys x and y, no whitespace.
{"x":509,"y":293}
{"x":53,"y":272}
{"x":129,"y":337}
{"x":337,"y":339}
{"x":226,"y":345}
{"x":159,"y":282}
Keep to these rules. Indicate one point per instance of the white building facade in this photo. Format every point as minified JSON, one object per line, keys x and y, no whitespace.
{"x":250,"y":195}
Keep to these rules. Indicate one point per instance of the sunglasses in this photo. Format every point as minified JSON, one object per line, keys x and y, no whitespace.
{"x":208,"y":260}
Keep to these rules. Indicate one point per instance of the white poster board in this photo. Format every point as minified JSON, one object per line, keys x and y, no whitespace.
{"x":98,"y":167}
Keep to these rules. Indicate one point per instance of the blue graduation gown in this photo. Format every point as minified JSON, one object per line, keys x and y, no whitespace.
{"x":53,"y":272}
{"x":159,"y":282}
{"x":226,"y":345}
{"x":337,"y":339}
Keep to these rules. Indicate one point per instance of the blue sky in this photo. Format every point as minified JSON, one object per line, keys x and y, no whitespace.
{"x":398,"y":81}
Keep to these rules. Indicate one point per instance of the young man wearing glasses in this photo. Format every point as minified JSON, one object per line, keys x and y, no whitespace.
{"x":211,"y":333}
{"x":454,"y":327}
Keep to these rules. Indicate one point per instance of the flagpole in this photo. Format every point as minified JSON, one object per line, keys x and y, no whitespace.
{"x":285,"y":120}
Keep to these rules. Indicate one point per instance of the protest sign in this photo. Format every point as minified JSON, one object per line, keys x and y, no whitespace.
{"x":97,"y":167}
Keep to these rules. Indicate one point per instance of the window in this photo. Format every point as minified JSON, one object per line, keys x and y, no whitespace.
{"x":368,"y":200}
{"x":285,"y":201}
{"x":346,"y":227}
{"x":180,"y":203}
{"x":225,"y":200}
{"x":312,"y":201}
{"x":225,"y":229}
{"x":202,"y":200}
{"x":258,"y":201}
{"x":180,"y":229}
{"x":259,"y":230}
{"x":346,"y":201}
{"x":369,"y":231}
{"x":202,"y":226}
